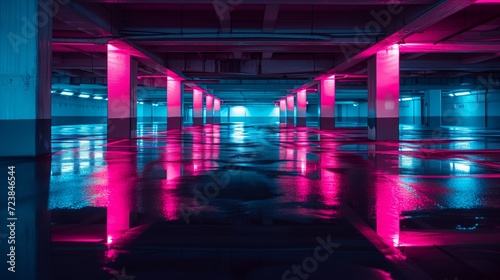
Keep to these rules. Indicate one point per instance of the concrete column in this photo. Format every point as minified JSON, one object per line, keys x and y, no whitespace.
{"x":327,"y":103}
{"x":122,"y":94}
{"x":290,"y":114}
{"x":383,"y":95}
{"x":175,"y":102}
{"x":32,"y":225}
{"x":25,"y":78}
{"x":216,"y":114}
{"x":282,"y":111}
{"x":197,"y":107}
{"x":432,"y":103}
{"x":210,"y":109}
{"x":301,"y":108}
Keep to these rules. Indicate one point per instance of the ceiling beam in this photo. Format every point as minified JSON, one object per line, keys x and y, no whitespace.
{"x":103,"y":19}
{"x":223,"y":11}
{"x":109,"y":25}
{"x":301,"y":2}
{"x":449,"y":48}
{"x":412,"y":56}
{"x":480,"y":58}
{"x":267,"y":55}
{"x":447,"y":65}
{"x":270,"y":16}
{"x":433,"y":14}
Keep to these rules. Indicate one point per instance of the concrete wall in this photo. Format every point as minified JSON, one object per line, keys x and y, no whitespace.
{"x":410,"y":112}
{"x":493,"y":109}
{"x":148,"y":113}
{"x":466,"y":111}
{"x":462,"y":111}
{"x":347,"y":113}
{"x":71,"y":110}
{"x":250,"y":114}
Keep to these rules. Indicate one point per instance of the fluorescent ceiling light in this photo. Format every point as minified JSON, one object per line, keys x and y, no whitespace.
{"x":462,"y":93}
{"x":84,"y":95}
{"x":68,"y":93}
{"x":406,"y":99}
{"x":98,"y":97}
{"x":451,"y":94}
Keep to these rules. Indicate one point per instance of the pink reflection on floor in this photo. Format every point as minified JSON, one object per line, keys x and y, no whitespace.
{"x":172,"y":163}
{"x":330,"y":180}
{"x":303,"y":186}
{"x":388,"y":211}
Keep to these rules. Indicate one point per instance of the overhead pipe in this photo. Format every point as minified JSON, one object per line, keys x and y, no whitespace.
{"x":253,"y":36}
{"x":305,"y":36}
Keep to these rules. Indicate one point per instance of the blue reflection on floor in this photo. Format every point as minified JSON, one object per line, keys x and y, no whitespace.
{"x":266,"y":193}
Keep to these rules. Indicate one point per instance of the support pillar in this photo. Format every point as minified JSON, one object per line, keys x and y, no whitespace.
{"x":290,"y":114}
{"x":33,"y":223}
{"x":25,"y":78}
{"x":210,"y":109}
{"x":432,"y":103}
{"x":383,"y":95}
{"x":175,"y":103}
{"x":327,"y":103}
{"x":122,"y":94}
{"x":302,"y":108}
{"x":282,"y":111}
{"x":197,"y":107}
{"x":216,"y":113}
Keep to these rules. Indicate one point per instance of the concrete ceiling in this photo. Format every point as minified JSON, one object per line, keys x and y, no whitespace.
{"x":247,"y":51}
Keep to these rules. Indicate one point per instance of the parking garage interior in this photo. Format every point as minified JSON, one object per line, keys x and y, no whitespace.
{"x":250,"y":139}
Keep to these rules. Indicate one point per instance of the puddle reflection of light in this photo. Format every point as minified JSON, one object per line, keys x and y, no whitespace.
{"x":467,"y":193}
{"x":84,"y":155}
{"x":462,"y":145}
{"x":67,"y":167}
{"x":84,"y":143}
{"x":459,"y":227}
{"x":238,"y":134}
{"x":406,"y":149}
{"x":459,"y":167}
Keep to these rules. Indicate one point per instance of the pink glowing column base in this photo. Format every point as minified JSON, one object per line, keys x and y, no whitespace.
{"x":282,"y":111}
{"x":327,"y":103}
{"x":216,"y":113}
{"x":122,"y":94}
{"x":383,"y":95}
{"x":197,"y":107}
{"x":175,"y":103}
{"x":290,"y":112}
{"x":301,"y":108}
{"x":210,"y":109}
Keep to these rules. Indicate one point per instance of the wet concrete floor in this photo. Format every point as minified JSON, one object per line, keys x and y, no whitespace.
{"x":260,"y":202}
